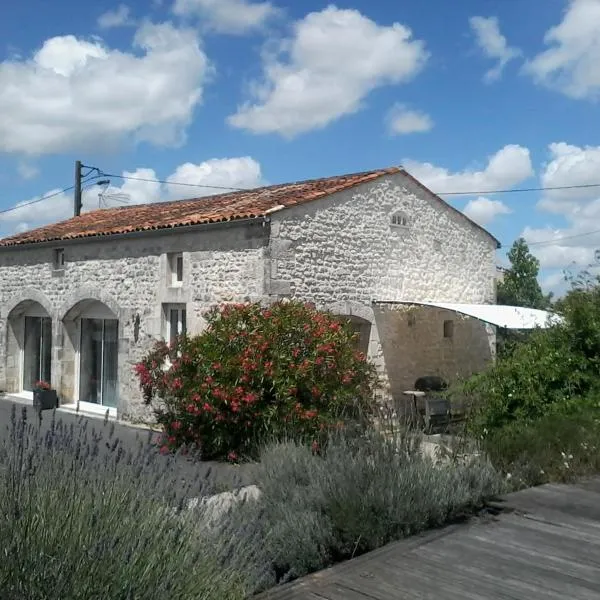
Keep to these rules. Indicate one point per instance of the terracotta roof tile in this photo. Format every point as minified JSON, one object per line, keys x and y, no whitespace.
{"x":231,"y":206}
{"x":247,"y":204}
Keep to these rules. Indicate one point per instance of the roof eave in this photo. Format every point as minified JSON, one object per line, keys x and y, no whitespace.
{"x":259,"y":220}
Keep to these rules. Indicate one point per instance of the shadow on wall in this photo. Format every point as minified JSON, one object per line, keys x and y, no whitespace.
{"x":422,"y":340}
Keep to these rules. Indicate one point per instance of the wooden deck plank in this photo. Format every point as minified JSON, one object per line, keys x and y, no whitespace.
{"x":547,"y":547}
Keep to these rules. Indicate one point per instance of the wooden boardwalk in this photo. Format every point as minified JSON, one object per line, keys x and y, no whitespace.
{"x":545,"y":544}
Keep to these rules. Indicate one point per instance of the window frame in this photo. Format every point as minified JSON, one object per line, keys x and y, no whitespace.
{"x":181,"y":311}
{"x":176,"y":269}
{"x":58,"y":259}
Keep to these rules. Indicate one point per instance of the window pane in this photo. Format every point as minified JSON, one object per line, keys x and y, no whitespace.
{"x":179,"y":268}
{"x":110,"y":378}
{"x":173,"y":324}
{"x":183,"y":322}
{"x":31,"y":352}
{"x":90,"y":365}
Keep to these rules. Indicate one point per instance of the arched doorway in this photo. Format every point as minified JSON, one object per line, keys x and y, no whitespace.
{"x":28,"y":347}
{"x":362,"y":329}
{"x":92,"y":342}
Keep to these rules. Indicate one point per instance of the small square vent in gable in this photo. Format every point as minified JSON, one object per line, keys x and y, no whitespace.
{"x":399,"y":219}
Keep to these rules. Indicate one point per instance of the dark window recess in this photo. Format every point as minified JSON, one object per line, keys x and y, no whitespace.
{"x":59,"y":259}
{"x":448,"y":329}
{"x":179,"y":268}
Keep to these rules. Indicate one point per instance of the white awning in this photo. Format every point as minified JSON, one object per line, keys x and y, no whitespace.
{"x":508,"y":317}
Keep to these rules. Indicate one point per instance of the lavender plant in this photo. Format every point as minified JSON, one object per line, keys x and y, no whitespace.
{"x":81,"y":517}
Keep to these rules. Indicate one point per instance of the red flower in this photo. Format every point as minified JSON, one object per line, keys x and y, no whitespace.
{"x":164,"y":449}
{"x":232,"y":456}
{"x":207,"y":407}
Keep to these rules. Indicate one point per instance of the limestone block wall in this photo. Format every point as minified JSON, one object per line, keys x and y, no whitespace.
{"x":348,"y":250}
{"x":129,"y":275}
{"x":420,"y":341}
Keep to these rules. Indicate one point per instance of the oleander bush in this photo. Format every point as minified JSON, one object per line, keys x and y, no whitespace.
{"x":256,"y":371}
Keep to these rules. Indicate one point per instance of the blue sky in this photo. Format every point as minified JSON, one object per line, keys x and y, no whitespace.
{"x":471,"y":96}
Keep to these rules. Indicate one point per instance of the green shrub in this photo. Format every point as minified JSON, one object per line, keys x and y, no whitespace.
{"x":81,"y":518}
{"x":286,"y":369}
{"x":560,"y":446}
{"x":552,"y":370}
{"x":355,"y":497}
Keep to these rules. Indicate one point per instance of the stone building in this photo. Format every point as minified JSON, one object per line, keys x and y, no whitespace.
{"x":82,"y":300}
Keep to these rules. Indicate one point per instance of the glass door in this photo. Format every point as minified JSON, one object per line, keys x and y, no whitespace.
{"x":99,"y":361}
{"x":37,"y":351}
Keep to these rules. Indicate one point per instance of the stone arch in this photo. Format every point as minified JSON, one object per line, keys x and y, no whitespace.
{"x":84,"y":295}
{"x":29,"y":308}
{"x":79,"y":360}
{"x":350,"y":308}
{"x":29,"y":295}
{"x":362,"y":320}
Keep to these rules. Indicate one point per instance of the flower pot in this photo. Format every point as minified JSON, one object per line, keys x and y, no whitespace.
{"x":45,"y":399}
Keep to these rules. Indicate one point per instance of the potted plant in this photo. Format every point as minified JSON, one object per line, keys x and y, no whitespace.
{"x":44,"y":397}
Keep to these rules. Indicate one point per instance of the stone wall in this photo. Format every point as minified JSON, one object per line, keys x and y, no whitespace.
{"x":423,"y":340}
{"x":129,"y":276}
{"x":345,"y":252}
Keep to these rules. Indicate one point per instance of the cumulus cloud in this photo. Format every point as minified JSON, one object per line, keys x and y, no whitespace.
{"x":239,"y":172}
{"x":401,"y":120}
{"x":484,"y":211}
{"x":228,"y":16}
{"x":118,"y":17}
{"x":27,"y":170}
{"x":574,"y":244}
{"x":493,"y":44}
{"x":570,"y":63}
{"x":325,"y":70}
{"x":74,"y":94}
{"x":506,"y":168}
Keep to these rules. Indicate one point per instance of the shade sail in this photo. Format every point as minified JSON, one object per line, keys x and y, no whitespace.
{"x":508,"y":317}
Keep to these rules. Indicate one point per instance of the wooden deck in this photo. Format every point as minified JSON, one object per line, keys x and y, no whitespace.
{"x":544,"y":545}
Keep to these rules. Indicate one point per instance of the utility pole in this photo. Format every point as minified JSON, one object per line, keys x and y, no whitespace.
{"x":77,"y":195}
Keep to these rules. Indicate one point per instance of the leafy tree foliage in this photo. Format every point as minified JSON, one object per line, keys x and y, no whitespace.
{"x":520,"y":285}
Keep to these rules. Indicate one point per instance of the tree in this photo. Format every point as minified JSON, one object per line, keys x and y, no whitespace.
{"x":520,"y":286}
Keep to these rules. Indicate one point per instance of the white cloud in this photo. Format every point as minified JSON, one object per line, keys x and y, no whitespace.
{"x":243,"y":172}
{"x":576,"y":242}
{"x":401,"y":120}
{"x":27,"y":171}
{"x":118,"y":17}
{"x":239,"y":172}
{"x":74,"y":94}
{"x":228,"y":16}
{"x":333,"y":60}
{"x":508,"y":167}
{"x":484,"y":211}
{"x":570,"y":64}
{"x":493,"y":44}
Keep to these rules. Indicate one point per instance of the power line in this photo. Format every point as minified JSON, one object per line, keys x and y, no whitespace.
{"x":518,"y":190}
{"x":47,"y":197}
{"x":470,"y":193}
{"x":564,"y":237}
{"x":196,"y":185}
